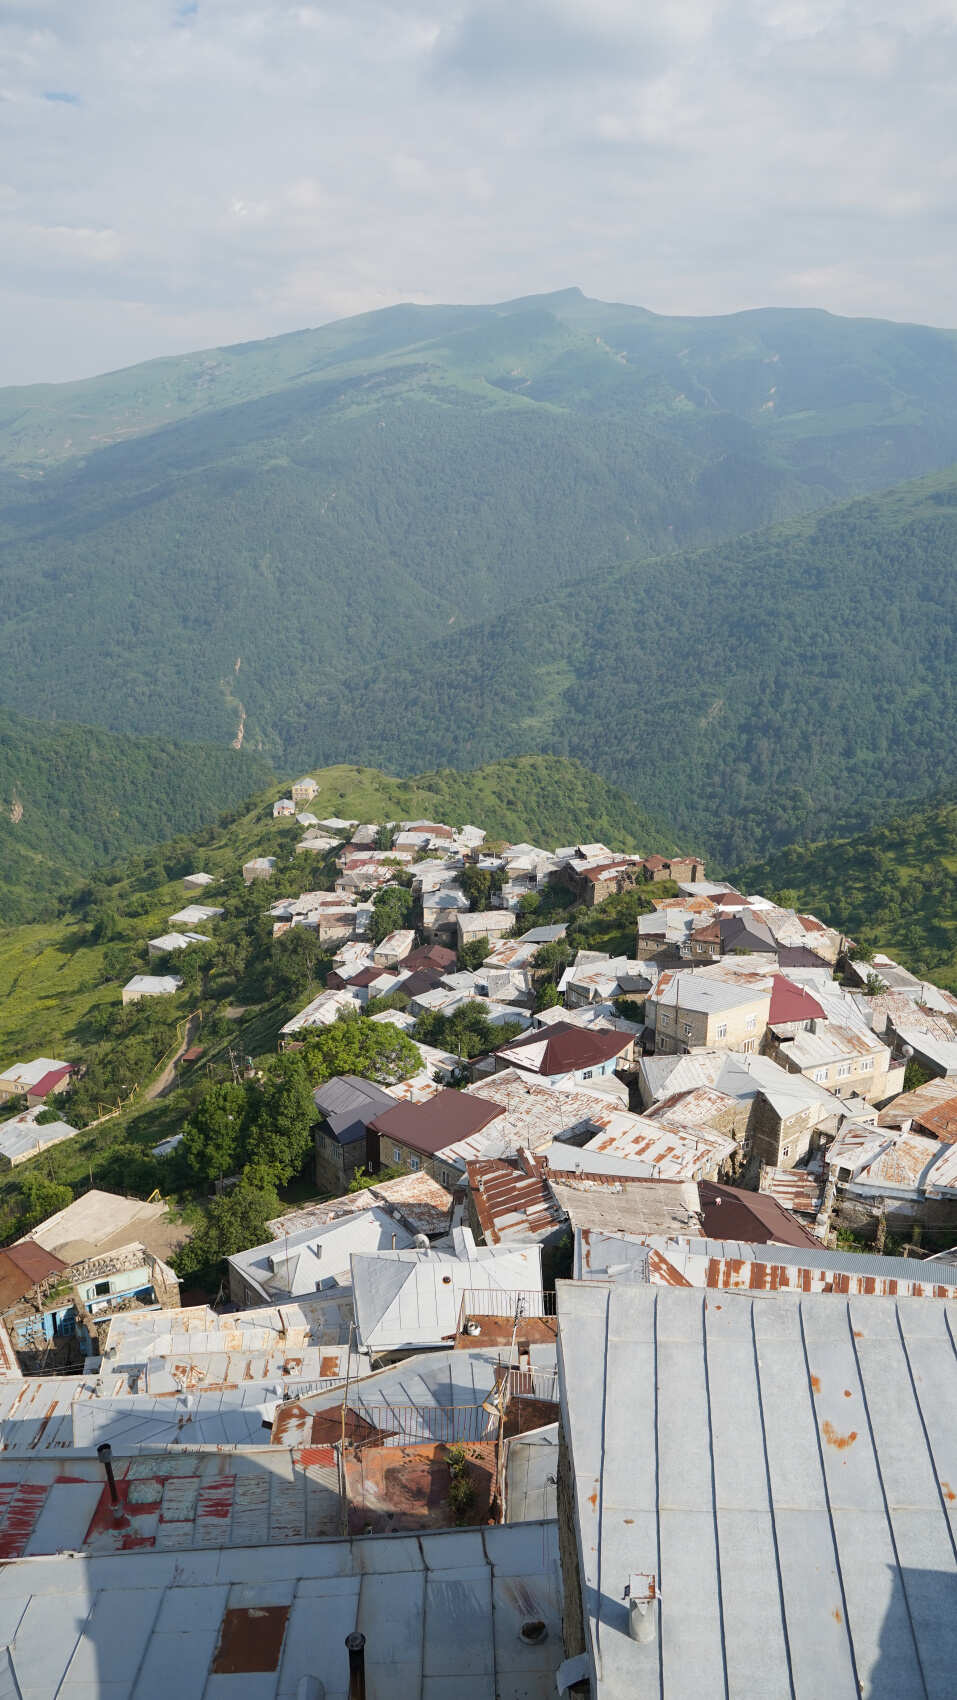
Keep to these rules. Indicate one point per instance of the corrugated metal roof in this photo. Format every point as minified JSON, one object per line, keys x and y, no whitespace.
{"x":783,"y":1470}
{"x":441,"y":1613}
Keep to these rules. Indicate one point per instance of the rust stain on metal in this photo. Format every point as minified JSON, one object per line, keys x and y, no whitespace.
{"x":816,"y":1383}
{"x":836,"y":1614}
{"x":329,"y":1366}
{"x":847,"y":1393}
{"x":841,"y":1441}
{"x":948,"y":1492}
{"x":250,"y":1639}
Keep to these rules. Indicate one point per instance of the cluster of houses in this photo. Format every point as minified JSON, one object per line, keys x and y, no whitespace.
{"x":578,"y":1396}
{"x":406,"y":1457}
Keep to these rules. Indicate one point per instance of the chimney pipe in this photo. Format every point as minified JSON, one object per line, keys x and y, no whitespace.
{"x":642,"y":1607}
{"x":105,"y":1454}
{"x":356,"y":1644}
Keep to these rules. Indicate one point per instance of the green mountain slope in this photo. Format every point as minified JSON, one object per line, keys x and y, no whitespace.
{"x":201,"y":539}
{"x":56,"y":982}
{"x":751,"y":692}
{"x":893,"y":888}
{"x":75,"y":797}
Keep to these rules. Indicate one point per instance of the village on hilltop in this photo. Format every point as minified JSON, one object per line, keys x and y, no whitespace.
{"x":609,"y":1350}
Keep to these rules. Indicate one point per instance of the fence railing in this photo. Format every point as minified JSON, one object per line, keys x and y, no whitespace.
{"x":414,"y":1425}
{"x":497,"y":1301}
{"x":533,"y":1384}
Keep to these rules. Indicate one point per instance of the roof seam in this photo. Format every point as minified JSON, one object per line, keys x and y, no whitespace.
{"x":884,"y":1500}
{"x":774,"y":1525}
{"x":827,"y":1498}
{"x":714,"y":1490}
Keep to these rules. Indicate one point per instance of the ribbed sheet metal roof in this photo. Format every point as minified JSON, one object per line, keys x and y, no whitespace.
{"x":174,"y":1499}
{"x":441,"y":1613}
{"x":786,"y":1469}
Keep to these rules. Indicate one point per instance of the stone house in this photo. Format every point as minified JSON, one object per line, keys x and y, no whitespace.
{"x":689,"y":1012}
{"x":346,"y":1104}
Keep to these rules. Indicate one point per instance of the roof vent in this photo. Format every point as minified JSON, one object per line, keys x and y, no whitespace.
{"x":642,"y":1593}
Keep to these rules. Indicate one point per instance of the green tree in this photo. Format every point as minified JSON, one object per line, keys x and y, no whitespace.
{"x":373,"y":1049}
{"x":473,"y":953}
{"x":362,"y":1179}
{"x":391,"y":911}
{"x":294,"y":960}
{"x":213,"y":1143}
{"x":234,"y":1221}
{"x":281,"y":1137}
{"x":37,"y":1199}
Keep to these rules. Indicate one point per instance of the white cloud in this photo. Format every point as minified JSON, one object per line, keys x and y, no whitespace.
{"x":253,"y":165}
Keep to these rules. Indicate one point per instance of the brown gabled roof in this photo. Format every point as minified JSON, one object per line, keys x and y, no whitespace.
{"x":568,"y":1047}
{"x":22,"y":1267}
{"x":940,"y":1122}
{"x":442,"y":1120}
{"x":430,"y":956}
{"x":730,"y":1213}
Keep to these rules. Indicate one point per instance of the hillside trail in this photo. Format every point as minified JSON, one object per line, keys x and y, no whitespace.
{"x":161,"y":1085}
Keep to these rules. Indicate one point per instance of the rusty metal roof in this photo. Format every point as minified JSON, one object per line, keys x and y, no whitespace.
{"x":421,"y":1202}
{"x":797,"y":1189}
{"x":512,"y":1199}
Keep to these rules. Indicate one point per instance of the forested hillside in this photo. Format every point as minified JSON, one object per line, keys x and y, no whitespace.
{"x":760,"y":690}
{"x":893,"y":888}
{"x":75,"y":797}
{"x":441,"y":535}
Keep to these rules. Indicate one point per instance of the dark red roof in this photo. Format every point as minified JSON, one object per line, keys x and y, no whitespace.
{"x":792,"y":1003}
{"x":430,"y":956}
{"x":655,"y":862}
{"x":568,"y":1048}
{"x":21,"y":1267}
{"x":50,"y":1081}
{"x":731,"y":1213}
{"x":440,"y":1121}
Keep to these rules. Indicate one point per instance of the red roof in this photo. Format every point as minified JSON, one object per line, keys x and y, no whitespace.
{"x":21,"y":1267}
{"x":569,"y":1048}
{"x":430,"y":956}
{"x":442,"y":1120}
{"x":50,"y":1081}
{"x":792,"y":1003}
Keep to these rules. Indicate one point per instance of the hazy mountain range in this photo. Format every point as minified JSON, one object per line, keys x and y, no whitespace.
{"x":440,"y":535}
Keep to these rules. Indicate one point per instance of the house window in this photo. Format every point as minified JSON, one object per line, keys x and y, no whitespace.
{"x":721,"y":1032}
{"x":869,"y":1063}
{"x":396,"y":1154}
{"x":820,"y":1074}
{"x":785,"y":1151}
{"x":843,"y":1070}
{"x":415,"y":1163}
{"x":748,"y":1045}
{"x":749,"y":1024}
{"x":686,"y":1027}
{"x":101,"y":1289}
{"x":587,"y":1074}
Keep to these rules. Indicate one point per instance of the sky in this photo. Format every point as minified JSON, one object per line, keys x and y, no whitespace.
{"x":177,"y":176}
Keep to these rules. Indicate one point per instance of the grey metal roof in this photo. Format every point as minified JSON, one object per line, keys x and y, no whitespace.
{"x":349,"y":1103}
{"x":405,"y":1299}
{"x":783,"y":1470}
{"x":531,"y":1475}
{"x":441,"y":1613}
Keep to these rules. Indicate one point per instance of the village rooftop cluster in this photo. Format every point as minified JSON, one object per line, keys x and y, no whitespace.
{"x":586,"y":1393}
